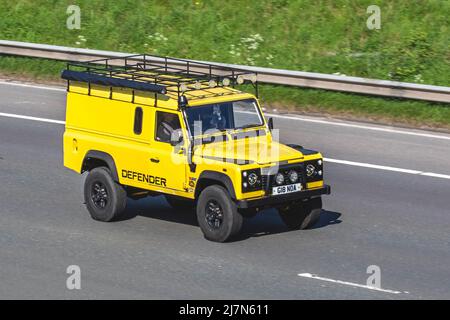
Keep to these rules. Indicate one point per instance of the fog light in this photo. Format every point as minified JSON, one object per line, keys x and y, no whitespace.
{"x":293,"y":176}
{"x":279,"y":178}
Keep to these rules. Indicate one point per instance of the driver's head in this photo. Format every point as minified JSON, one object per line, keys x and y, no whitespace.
{"x":217,"y":121}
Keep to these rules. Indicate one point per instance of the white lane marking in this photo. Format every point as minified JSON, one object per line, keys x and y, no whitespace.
{"x":372,"y":166}
{"x":312,"y":276}
{"x":387,"y":168}
{"x":435,"y":175}
{"x":357,"y":126}
{"x":298,"y":118}
{"x":31,"y":86}
{"x":18,"y":116}
{"x":344,"y":162}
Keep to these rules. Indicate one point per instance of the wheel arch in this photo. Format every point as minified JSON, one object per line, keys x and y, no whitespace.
{"x":208,"y":178}
{"x":95,"y":158}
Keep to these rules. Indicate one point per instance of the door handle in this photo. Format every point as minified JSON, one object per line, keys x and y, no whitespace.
{"x":154,"y":160}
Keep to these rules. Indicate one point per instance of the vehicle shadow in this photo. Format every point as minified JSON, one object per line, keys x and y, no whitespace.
{"x":265,"y":223}
{"x":327,"y":218}
{"x":157,"y":208}
{"x":268,"y":222}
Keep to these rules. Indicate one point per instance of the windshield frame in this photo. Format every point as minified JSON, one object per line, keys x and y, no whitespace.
{"x":218,"y":132}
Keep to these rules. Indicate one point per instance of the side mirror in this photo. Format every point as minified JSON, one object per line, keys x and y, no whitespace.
{"x":176,"y":138}
{"x":270,"y":123}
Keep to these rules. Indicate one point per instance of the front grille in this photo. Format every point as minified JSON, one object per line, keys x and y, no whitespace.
{"x":268,"y":178}
{"x":264,"y":181}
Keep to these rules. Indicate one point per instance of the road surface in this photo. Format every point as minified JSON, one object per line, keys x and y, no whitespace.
{"x":389,"y":208}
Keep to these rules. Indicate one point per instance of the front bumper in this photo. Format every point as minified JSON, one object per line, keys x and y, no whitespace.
{"x":272,"y":201}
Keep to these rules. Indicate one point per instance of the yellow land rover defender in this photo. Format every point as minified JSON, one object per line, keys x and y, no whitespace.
{"x":147,"y":126}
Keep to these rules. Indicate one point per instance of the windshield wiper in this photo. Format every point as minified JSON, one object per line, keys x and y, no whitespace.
{"x":247,"y":126}
{"x":211,"y":138}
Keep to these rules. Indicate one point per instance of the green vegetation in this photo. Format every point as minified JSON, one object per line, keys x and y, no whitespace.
{"x":413,"y":44}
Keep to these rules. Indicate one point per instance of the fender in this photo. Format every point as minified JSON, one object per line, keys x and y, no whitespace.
{"x":219,"y":177}
{"x":103,"y":156}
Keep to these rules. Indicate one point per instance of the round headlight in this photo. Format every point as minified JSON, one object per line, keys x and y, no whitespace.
{"x":252,"y":178}
{"x":310,"y":170}
{"x":319,"y":162}
{"x":279,"y":178}
{"x":293,"y":176}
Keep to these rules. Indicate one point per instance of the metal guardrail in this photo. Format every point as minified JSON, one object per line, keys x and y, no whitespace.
{"x":265,"y":75}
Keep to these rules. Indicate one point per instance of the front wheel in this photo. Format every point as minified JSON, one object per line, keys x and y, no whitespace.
{"x":217,"y":214}
{"x":303,"y":215}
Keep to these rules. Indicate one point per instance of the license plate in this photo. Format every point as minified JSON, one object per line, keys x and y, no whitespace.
{"x":287,"y":189}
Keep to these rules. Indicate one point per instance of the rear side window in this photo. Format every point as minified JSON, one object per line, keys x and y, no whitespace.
{"x":138,"y":115}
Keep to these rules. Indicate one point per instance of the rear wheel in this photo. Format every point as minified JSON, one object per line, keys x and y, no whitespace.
{"x":217,"y":214}
{"x":105,"y":199}
{"x":303,"y":215}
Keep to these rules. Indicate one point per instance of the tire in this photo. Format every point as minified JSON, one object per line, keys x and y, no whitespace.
{"x":180,"y":203}
{"x":105,"y":199}
{"x":218,"y":225}
{"x":302,"y":216}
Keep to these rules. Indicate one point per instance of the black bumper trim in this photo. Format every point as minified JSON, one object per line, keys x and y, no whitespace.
{"x":277,"y":200}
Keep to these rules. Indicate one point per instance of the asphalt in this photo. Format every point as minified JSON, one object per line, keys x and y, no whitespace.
{"x":397,"y":221}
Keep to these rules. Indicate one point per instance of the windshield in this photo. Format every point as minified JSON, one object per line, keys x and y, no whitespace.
{"x":224,"y":116}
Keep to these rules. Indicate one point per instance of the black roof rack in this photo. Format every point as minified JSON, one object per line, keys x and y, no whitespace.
{"x":161,"y":75}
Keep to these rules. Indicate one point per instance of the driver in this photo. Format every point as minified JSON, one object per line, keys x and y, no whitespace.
{"x":166,"y":127}
{"x":217,"y":120}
